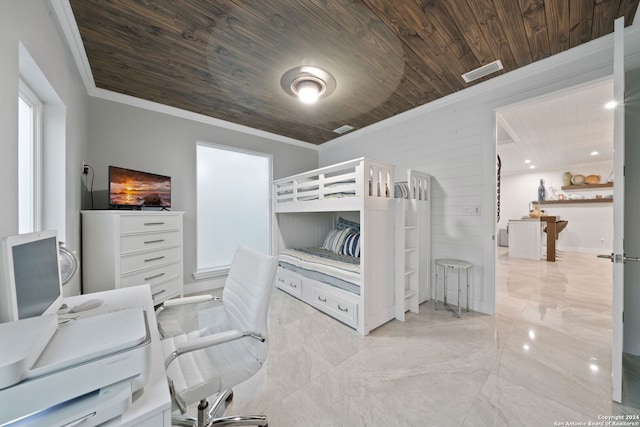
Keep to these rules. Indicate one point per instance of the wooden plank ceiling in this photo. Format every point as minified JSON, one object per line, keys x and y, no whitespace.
{"x":225,"y":58}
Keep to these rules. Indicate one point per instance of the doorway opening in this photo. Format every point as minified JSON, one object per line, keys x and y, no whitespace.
{"x":567,"y":301}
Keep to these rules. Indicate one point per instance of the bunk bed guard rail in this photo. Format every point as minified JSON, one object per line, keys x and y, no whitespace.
{"x":354,"y":178}
{"x":418,"y":183}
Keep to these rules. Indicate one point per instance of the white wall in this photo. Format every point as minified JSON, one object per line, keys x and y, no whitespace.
{"x":32,"y":23}
{"x":590,"y":227}
{"x":137,"y":138}
{"x":454,"y":140}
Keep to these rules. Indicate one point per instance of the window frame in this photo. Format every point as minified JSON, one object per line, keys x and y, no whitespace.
{"x":222,"y":270}
{"x":27,"y":95}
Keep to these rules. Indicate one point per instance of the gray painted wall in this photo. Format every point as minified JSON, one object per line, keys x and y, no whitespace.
{"x":136,"y":138}
{"x":32,"y":23}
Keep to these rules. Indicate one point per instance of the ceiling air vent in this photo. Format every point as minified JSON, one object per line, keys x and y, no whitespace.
{"x":480,"y":72}
{"x":343,"y":129}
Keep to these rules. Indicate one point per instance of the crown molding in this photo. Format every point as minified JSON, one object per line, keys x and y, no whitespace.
{"x":67,"y":22}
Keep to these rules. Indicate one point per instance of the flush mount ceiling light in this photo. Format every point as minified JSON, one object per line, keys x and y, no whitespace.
{"x":480,"y":72}
{"x":308,"y":84}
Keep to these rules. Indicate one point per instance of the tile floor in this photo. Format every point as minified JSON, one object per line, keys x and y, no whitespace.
{"x":542,"y":360}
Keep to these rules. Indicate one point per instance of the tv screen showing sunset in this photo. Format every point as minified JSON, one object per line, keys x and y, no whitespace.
{"x":134,"y":188}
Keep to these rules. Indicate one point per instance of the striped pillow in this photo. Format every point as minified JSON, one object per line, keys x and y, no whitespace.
{"x":343,"y":223}
{"x":335,"y":239}
{"x":351,"y":245}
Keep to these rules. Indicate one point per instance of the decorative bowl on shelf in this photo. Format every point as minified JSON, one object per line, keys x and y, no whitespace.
{"x":592,"y":179}
{"x":577,"y":179}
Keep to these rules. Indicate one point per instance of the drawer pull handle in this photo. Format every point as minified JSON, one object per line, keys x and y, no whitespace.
{"x":346,"y":309}
{"x":280,"y":279}
{"x":148,"y":242}
{"x":153,"y":223}
{"x":158,"y":258}
{"x":322,"y":300}
{"x":158,"y":293}
{"x":81,"y":420}
{"x":293,"y":285}
{"x":154,"y":277}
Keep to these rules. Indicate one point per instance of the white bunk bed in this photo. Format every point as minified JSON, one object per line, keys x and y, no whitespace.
{"x":357,"y":195}
{"x":412,"y":242}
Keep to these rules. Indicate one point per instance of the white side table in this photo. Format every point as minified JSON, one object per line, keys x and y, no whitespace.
{"x":456,"y":265}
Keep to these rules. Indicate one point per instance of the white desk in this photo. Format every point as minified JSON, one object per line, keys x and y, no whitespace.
{"x":151,"y":406}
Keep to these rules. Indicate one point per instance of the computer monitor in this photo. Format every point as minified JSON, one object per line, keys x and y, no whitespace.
{"x":30,"y":282}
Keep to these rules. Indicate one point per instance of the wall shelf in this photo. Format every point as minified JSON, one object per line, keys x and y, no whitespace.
{"x":566,"y":202}
{"x":587,"y":186}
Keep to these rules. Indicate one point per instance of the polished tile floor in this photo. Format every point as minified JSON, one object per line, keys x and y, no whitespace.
{"x":544,"y":358}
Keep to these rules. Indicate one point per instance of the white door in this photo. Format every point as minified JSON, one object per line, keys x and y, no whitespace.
{"x":631,"y":293}
{"x":617,"y":257}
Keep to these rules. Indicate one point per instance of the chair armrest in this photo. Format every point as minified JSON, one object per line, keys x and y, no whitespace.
{"x":186,"y":300}
{"x":209,"y":341}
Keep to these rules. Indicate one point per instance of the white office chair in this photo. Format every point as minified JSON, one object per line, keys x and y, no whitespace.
{"x":229,"y":349}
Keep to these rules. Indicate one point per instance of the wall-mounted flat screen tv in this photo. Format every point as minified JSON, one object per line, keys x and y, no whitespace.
{"x":136,"y":189}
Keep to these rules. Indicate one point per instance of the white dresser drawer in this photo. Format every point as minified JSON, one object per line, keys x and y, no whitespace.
{"x":165,"y":290}
{"x":146,"y":223}
{"x":289,"y":284}
{"x":127,"y":248}
{"x":151,"y":276}
{"x":142,"y":260}
{"x":341,"y":309}
{"x":142,"y":242}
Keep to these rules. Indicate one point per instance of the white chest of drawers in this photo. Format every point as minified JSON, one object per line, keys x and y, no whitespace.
{"x":129,"y":248}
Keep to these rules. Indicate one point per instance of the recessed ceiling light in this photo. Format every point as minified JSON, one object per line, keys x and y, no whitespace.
{"x":532,"y":167}
{"x":527,"y":161}
{"x":594,"y":153}
{"x":610,"y":105}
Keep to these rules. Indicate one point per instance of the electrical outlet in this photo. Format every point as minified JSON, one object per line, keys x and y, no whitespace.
{"x":85,"y":168}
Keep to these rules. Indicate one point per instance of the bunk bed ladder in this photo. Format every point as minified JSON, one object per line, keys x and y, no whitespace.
{"x":407,"y":259}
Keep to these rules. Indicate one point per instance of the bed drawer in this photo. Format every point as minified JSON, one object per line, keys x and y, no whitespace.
{"x":345,"y":311}
{"x":289,"y":284}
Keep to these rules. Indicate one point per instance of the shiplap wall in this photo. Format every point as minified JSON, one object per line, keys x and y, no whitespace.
{"x":454,"y":140}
